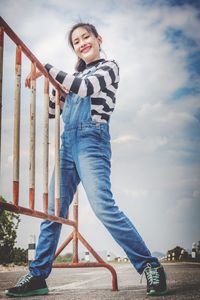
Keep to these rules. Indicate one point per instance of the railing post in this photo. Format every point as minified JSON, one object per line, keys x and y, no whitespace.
{"x":57,"y":154}
{"x":32,"y":137}
{"x":75,"y":237}
{"x":46,"y":145}
{"x":1,"y":78}
{"x":16,"y":139}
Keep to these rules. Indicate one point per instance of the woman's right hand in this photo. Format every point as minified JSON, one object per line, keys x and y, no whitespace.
{"x":28,"y":78}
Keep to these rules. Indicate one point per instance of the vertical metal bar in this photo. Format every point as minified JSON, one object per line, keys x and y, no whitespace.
{"x":32,"y":137}
{"x":1,"y":78}
{"x":75,"y":237}
{"x":16,"y":139}
{"x":46,"y":146}
{"x":57,"y":155}
{"x":64,"y":244}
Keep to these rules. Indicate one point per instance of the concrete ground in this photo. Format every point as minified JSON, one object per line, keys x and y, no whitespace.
{"x":95,"y":283}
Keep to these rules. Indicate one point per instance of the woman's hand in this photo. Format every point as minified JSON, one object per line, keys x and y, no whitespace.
{"x":28,"y":78}
{"x":38,"y":74}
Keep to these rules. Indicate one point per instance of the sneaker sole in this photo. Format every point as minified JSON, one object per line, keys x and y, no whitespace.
{"x":31,"y":293}
{"x":154,"y":293}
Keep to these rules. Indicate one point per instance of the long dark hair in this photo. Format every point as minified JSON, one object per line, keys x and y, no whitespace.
{"x":81,"y":65}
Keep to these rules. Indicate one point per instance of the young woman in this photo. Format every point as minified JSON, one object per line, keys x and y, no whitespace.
{"x":85,"y":156}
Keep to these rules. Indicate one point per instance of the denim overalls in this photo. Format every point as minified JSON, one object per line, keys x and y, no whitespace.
{"x":85,"y":156}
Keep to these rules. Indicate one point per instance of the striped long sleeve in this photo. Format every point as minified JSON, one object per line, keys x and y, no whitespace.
{"x":106,"y":74}
{"x":99,"y":81}
{"x":52,"y":104}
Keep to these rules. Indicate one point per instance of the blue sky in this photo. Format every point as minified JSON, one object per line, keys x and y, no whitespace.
{"x":155,"y":127}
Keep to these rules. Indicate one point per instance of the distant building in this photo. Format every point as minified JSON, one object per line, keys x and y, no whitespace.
{"x":177,"y":254}
{"x":180,"y":254}
{"x":196,"y":251}
{"x":87,"y":256}
{"x":118,"y":259}
{"x":108,"y":256}
{"x":125,"y":259}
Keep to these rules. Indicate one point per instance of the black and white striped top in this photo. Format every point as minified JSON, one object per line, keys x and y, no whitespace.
{"x":99,"y":81}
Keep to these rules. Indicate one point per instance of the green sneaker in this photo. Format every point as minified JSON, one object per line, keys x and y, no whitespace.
{"x":156,"y":280}
{"x":28,"y":285}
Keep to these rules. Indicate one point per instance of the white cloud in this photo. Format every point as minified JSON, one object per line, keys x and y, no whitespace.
{"x":124,"y":139}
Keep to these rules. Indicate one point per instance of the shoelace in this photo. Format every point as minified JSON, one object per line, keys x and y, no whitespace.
{"x":151,"y":274}
{"x":23,"y":279}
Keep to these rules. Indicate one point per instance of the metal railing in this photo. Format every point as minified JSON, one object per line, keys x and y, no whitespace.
{"x":14,"y":206}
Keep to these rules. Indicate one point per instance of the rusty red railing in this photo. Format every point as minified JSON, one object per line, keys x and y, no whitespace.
{"x":14,"y":206}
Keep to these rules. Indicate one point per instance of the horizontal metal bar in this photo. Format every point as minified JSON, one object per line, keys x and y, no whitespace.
{"x":91,"y":265}
{"x":34,"y":213}
{"x":79,"y":265}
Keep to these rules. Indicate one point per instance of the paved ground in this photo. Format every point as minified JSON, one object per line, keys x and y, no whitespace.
{"x":95,"y":283}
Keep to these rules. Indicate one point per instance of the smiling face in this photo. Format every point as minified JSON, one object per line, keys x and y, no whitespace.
{"x":86,"y":44}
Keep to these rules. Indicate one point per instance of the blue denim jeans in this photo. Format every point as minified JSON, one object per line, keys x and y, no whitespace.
{"x":85,"y":156}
